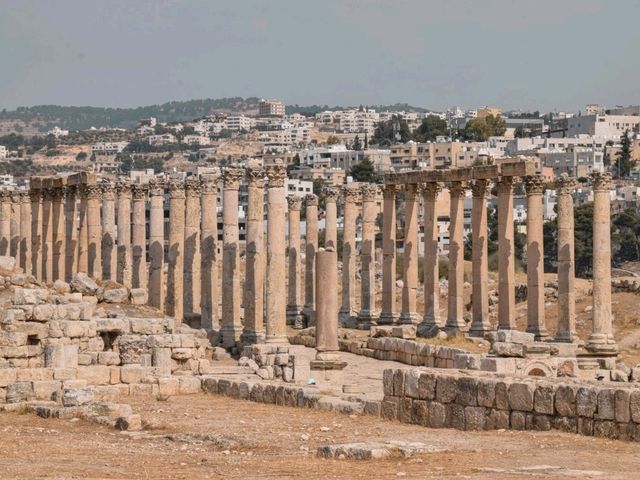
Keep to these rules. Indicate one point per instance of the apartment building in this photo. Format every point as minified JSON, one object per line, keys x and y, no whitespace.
{"x":4,"y":152}
{"x":608,"y":126}
{"x":108,"y":148}
{"x":412,"y":155}
{"x":160,"y":140}
{"x":271,"y":108}
{"x":193,"y":140}
{"x":237,"y":123}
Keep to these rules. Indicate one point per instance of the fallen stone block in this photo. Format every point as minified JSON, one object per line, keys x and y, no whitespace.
{"x":75,"y":397}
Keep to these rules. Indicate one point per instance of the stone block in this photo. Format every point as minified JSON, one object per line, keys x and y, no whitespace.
{"x":181,"y":353}
{"x":502,"y":396}
{"x":504,"y":349}
{"x":74,"y":397}
{"x":411,"y":381}
{"x":34,"y":374}
{"x":189,"y":385}
{"x":61,"y":356}
{"x":115,"y":325}
{"x":43,"y":313}
{"x":446,"y":389}
{"x":497,"y":420}
{"x":543,"y":399}
{"x":566,"y":424}
{"x":486,"y":392}
{"x":84,"y":284}
{"x":13,"y":339}
{"x":46,"y":389}
{"x":606,"y":405}
{"x":586,"y":402}
{"x":419,"y":413}
{"x":521,"y":396}
{"x":436,"y":415}
{"x":7,"y":376}
{"x":518,"y":420}
{"x":475,"y":418}
{"x":622,"y":406}
{"x":565,"y":400}
{"x":108,"y":358}
{"x":542,"y":422}
{"x":94,"y":374}
{"x":209,"y":384}
{"x":143,"y":389}
{"x":405,"y":408}
{"x":427,"y":386}
{"x":455,"y":416}
{"x":387,"y":382}
{"x":115,"y":295}
{"x":139,"y":296}
{"x":634,"y":405}
{"x":147,"y":326}
{"x":467,"y":391}
{"x":514,"y":336}
{"x":161,"y":359}
{"x":390,"y":408}
{"x":585,"y":426}
{"x":30,"y":296}
{"x":114,"y":375}
{"x":398,"y":383}
{"x":19,"y":392}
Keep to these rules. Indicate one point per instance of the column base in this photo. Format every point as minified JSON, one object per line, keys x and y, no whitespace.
{"x":427,"y":330}
{"x":252,"y":337}
{"x":367,"y":319}
{"x":409,"y":318}
{"x":230,"y":336}
{"x":347,"y":319}
{"x":308,"y":312}
{"x":388,"y":318}
{"x":540,"y":333}
{"x":566,"y":337}
{"x":479,"y":331}
{"x":279,"y":339}
{"x":455,"y":325}
{"x":295,"y":318}
{"x":602,"y":344}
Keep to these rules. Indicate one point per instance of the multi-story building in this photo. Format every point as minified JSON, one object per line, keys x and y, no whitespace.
{"x":486,"y":111}
{"x":160,"y":140}
{"x":193,"y":140}
{"x":356,"y":121}
{"x":237,"y":123}
{"x":269,"y":108}
{"x":574,"y":161}
{"x":412,"y":155}
{"x":4,"y":152}
{"x":608,"y":126}
{"x":108,"y":148}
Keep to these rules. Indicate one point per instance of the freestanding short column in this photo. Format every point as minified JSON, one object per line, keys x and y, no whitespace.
{"x":192,"y":241}
{"x":455,"y":314}
{"x":276,"y":318}
{"x":348,"y":311}
{"x":409,"y":313}
{"x":5,"y":222}
{"x":94,"y":231}
{"x":368,"y":315}
{"x":175,"y":258}
{"x":536,"y":324}
{"x":25,"y":232}
{"x":124,"y":272}
{"x":255,"y":258}
{"x":601,"y":340}
{"x":506,"y":256}
{"x":156,"y":243}
{"x":47,"y":236}
{"x":431,"y":319}
{"x":294,"y":284}
{"x":327,"y":301}
{"x":58,"y":271}
{"x":231,"y":327}
{"x":331,"y":217}
{"x":14,"y":246}
{"x":71,"y":232}
{"x":36,"y":232}
{"x":108,"y":247}
{"x":210,"y":291}
{"x":311,"y":245}
{"x":480,"y":324}
{"x":138,"y":236}
{"x":388,"y":311}
{"x":566,"y":263}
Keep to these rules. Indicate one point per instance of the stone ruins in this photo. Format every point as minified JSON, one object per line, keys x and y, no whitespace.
{"x":128,"y":288}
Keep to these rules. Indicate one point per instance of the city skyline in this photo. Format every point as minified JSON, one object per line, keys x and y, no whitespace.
{"x":127,"y":54}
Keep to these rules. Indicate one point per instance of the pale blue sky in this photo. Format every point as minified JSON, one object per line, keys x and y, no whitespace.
{"x":546,"y":54}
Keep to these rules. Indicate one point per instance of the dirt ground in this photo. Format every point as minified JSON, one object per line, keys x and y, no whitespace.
{"x":203,"y":436}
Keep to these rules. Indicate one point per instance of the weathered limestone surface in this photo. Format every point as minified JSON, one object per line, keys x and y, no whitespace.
{"x":94,"y":230}
{"x":36,"y":231}
{"x":254,"y":285}
{"x":331,"y":220}
{"x":311,"y":245}
{"x":156,"y":243}
{"x":327,"y":301}
{"x":109,"y":256}
{"x":566,"y":263}
{"x":210,"y":292}
{"x":387,"y":313}
{"x":294,"y":283}
{"x":455,"y":315}
{"x":71,"y":232}
{"x":25,"y":232}
{"x":368,"y":314}
{"x":175,"y":256}
{"x":409,"y":314}
{"x":431,"y":316}
{"x":348,"y":311}
{"x":480,"y":296}
{"x":138,"y":234}
{"x":192,"y":258}
{"x":506,"y":255}
{"x":124,"y":272}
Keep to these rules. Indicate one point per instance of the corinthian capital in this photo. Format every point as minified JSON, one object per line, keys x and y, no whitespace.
{"x":277,"y":175}
{"x":231,"y":178}
{"x":294,"y":202}
{"x":565,"y":185}
{"x":601,"y":181}
{"x":534,"y":184}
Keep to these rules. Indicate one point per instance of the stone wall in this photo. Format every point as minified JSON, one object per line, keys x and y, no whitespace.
{"x":455,"y":399}
{"x":289,"y":363}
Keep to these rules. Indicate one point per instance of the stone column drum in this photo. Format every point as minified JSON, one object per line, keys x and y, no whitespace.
{"x":156,"y":243}
{"x":311,"y":245}
{"x":59,"y":237}
{"x":566,"y":261}
{"x":83,"y":246}
{"x":5,"y":221}
{"x":36,"y":232}
{"x":601,"y":340}
{"x":192,"y":259}
{"x":108,"y":247}
{"x":253,"y":331}
{"x":327,"y":301}
{"x":25,"y":232}
{"x":231,"y":325}
{"x":536,"y":324}
{"x":175,"y":256}
{"x":47,"y":235}
{"x":368,"y":314}
{"x":348,"y":311}
{"x":14,"y":227}
{"x":124,"y":272}
{"x":138,"y":236}
{"x":294,"y":283}
{"x":331,"y":217}
{"x":480,"y":324}
{"x":210,"y":319}
{"x":431,"y":320}
{"x":455,"y":314}
{"x":506,"y":256}
{"x":71,"y":232}
{"x":276,"y":318}
{"x":409,"y":314}
{"x":94,"y":231}
{"x":388,"y":312}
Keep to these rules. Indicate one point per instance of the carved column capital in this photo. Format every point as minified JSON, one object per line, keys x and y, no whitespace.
{"x":480,"y":188}
{"x":352,"y":194}
{"x":458,"y":188}
{"x":331,"y":194}
{"x":92,"y":192}
{"x":256,"y":175}
{"x":192,"y":187}
{"x":25,"y":196}
{"x":505,"y":185}
{"x":123,"y":188}
{"x":311,"y":200}
{"x":431,"y":189}
{"x":209,"y":182}
{"x":389,"y":190}
{"x":565,"y":185}
{"x":601,"y":181}
{"x":139,"y":191}
{"x":534,"y":184}
{"x":156,"y":187}
{"x":108,"y":190}
{"x":277,"y":175}
{"x":294,"y":202}
{"x":231,"y":178}
{"x":176,"y":189}
{"x":370,"y":192}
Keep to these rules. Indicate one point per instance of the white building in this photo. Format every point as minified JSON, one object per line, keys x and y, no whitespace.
{"x":268,"y":108}
{"x":159,"y":140}
{"x":238,"y":123}
{"x":192,"y":140}
{"x":609,"y":126}
{"x":58,"y":132}
{"x":4,"y":152}
{"x":108,"y":148}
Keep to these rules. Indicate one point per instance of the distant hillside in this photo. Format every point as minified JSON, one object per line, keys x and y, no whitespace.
{"x":44,"y":117}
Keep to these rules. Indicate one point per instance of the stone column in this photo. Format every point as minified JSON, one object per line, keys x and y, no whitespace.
{"x":534,"y":185}
{"x":348,"y":312}
{"x":431,"y":320}
{"x":192,"y":259}
{"x":455,"y":314}
{"x":566,"y":261}
{"x":14,"y":227}
{"x":276,"y":318}
{"x":58,"y":271}
{"x":109,"y":258}
{"x":331,"y":218}
{"x":124,"y":272}
{"x":25,"y":232}
{"x":327,"y":301}
{"x":5,"y":222}
{"x":156,"y":243}
{"x":506,"y":256}
{"x":294,"y":298}
{"x":388,"y":313}
{"x":409,"y":313}
{"x":255,"y":258}
{"x":94,"y":231}
{"x":231,"y":325}
{"x":83,"y":235}
{"x":480,"y":324}
{"x":47,"y":236}
{"x":601,"y":340}
{"x":138,"y":236}
{"x":368,"y":315}
{"x":175,"y":257}
{"x":311,"y":245}
{"x":210,"y":296}
{"x":36,"y":232}
{"x":71,"y":232}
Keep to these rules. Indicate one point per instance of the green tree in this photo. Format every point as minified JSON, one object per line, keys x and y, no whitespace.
{"x":82,"y":156}
{"x":480,"y":129}
{"x":364,"y":171}
{"x":318,"y":185}
{"x":623,"y":161}
{"x":357,"y":145}
{"x":394,"y":130}
{"x":333,"y":140}
{"x":431,"y":127}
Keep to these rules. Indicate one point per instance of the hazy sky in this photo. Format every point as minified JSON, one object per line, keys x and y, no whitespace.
{"x":546,"y":54}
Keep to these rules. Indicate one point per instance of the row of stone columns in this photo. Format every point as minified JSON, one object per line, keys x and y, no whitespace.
{"x":15,"y":226}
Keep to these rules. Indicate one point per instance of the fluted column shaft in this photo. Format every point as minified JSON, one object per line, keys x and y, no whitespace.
{"x":156,"y":243}
{"x":348,"y":310}
{"x":71,"y":232}
{"x":192,"y":259}
{"x":25,"y":232}
{"x":59,"y":237}
{"x":409,"y":314}
{"x":94,"y":231}
{"x":480,"y":254}
{"x":36,"y":232}
{"x":311,"y":246}
{"x":455,"y":313}
{"x":83,"y":235}
{"x":431,"y":317}
{"x":108,"y":247}
{"x":124,"y":272}
{"x":210,"y":291}
{"x":255,"y":258}
{"x":368,"y":314}
{"x":506,"y":256}
{"x":331,"y":218}
{"x":175,"y":258}
{"x":294,"y":283}
{"x":566,"y":261}
{"x":276,"y":318}
{"x":47,"y":236}
{"x":138,"y":236}
{"x":388,"y":311}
